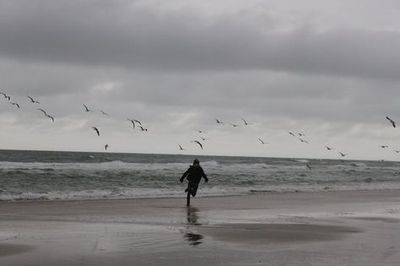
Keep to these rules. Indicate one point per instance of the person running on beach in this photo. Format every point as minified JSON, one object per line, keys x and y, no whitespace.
{"x":194,"y":175}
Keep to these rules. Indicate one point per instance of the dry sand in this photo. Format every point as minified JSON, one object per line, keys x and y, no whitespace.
{"x":327,"y":228}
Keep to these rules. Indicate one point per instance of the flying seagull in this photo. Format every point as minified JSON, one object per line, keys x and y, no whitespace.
{"x":391,"y":121}
{"x":328,"y":148}
{"x":133,"y":122}
{"x":46,"y":114}
{"x":137,"y":121}
{"x":198,"y":142}
{"x":104,"y":113}
{"x":43,"y":111}
{"x":218,"y":121}
{"x":396,"y":151}
{"x":142,"y":128}
{"x":180,"y":147}
{"x":342,"y":154}
{"x":5,"y":96}
{"x":49,"y":116}
{"x":203,"y":139}
{"x":245,"y":122}
{"x":106,"y":147}
{"x":262,"y":142}
{"x":15,"y":104}
{"x":291,"y":133}
{"x":97,"y":130}
{"x":233,"y":125}
{"x":308,"y":166}
{"x":33,"y":100}
{"x":303,"y":140}
{"x":86,"y":108}
{"x":301,"y":134}
{"x":384,"y":146}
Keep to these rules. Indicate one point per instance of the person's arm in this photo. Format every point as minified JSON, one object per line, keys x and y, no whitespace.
{"x":204,"y":175}
{"x":184,"y":175}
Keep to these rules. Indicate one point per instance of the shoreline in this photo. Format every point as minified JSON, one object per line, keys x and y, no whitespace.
{"x":250,"y":193}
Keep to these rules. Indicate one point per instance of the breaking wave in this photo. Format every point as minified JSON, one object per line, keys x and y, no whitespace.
{"x":69,"y":176}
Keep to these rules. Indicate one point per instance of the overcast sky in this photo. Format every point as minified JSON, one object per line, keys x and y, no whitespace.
{"x":329,"y":69}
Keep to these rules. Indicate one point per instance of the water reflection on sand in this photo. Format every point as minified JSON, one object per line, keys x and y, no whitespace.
{"x":192,"y":218}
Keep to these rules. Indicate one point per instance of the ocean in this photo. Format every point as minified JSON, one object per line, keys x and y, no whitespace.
{"x":51,"y":175}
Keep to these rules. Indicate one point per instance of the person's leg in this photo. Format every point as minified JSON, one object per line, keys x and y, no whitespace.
{"x":188,"y":198}
{"x":193,"y":189}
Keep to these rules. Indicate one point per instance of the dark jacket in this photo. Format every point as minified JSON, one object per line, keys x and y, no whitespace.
{"x":194,"y":174}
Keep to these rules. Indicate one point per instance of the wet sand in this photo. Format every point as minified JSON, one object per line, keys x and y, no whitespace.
{"x":327,"y":228}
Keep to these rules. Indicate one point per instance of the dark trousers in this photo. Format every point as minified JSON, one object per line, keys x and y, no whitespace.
{"x":193,"y":188}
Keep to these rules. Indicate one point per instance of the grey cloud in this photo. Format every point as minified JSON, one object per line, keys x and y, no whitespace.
{"x":178,"y":69}
{"x":230,"y":95}
{"x":122,"y":34}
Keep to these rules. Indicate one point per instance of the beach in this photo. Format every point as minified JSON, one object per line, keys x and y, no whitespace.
{"x":304,"y":228}
{"x":280,"y":117}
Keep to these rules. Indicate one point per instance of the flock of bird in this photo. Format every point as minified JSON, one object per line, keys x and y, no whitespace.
{"x":135,"y":123}
{"x":33,"y":101}
{"x":301,"y":137}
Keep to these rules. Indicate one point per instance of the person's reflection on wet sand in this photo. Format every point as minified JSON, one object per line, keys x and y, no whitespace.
{"x":192,"y":220}
{"x":191,"y":216}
